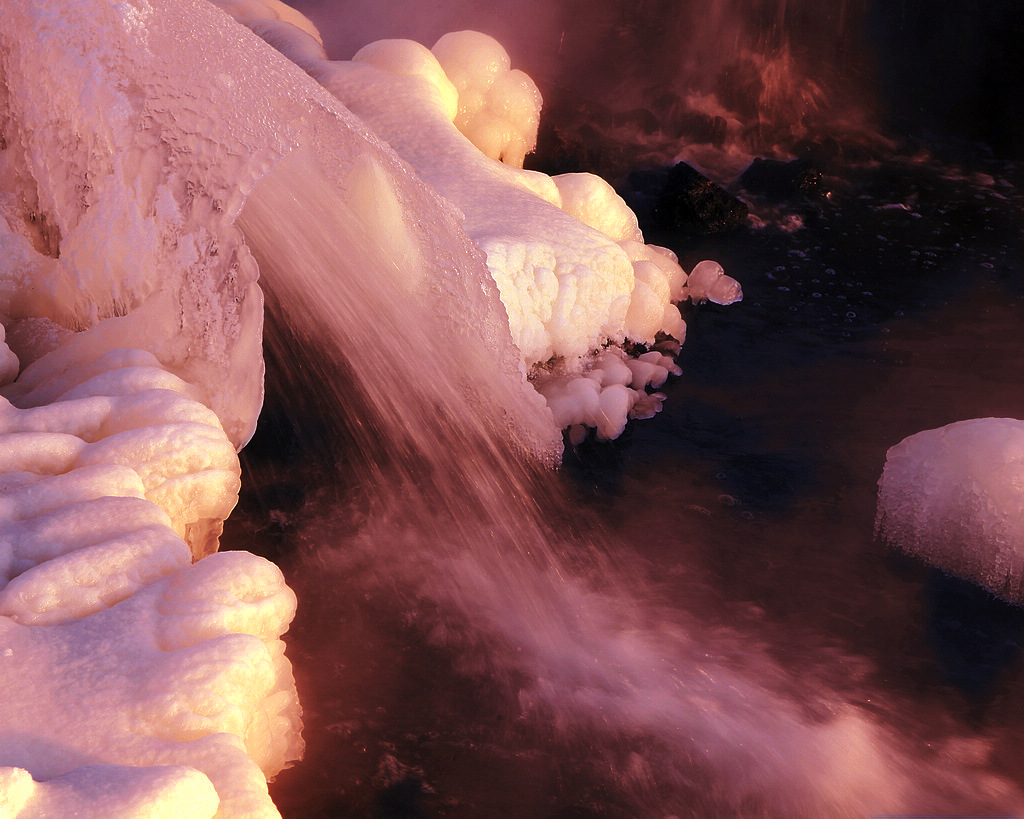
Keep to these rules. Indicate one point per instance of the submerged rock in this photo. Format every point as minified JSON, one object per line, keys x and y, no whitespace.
{"x":778,"y":180}
{"x":683,"y":200}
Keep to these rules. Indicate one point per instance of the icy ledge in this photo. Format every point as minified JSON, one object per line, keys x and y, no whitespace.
{"x":566,"y":253}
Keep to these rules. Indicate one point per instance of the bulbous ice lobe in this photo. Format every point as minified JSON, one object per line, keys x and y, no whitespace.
{"x":708,"y":282}
{"x":954,"y":496}
{"x":186,"y":672}
{"x":499,"y":107}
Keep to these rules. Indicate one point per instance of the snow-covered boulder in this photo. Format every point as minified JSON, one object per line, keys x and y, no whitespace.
{"x":954,"y":497}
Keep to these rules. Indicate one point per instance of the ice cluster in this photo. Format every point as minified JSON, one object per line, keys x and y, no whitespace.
{"x":954,"y":497}
{"x":138,"y":682}
{"x":145,"y":674}
{"x":566,"y":252}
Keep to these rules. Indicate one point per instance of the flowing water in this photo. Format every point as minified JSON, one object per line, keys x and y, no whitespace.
{"x":694,"y":620}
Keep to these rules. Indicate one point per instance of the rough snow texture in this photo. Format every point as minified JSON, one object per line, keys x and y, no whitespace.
{"x":119,"y":193}
{"x":954,"y":497}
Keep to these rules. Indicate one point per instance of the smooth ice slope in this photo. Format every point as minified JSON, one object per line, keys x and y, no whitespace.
{"x":954,"y":497}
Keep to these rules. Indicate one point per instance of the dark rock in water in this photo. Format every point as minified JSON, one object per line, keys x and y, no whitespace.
{"x":559,"y":151}
{"x":765,"y":137}
{"x":780,"y":181}
{"x":401,"y":800}
{"x":574,"y":136}
{"x":699,"y":128}
{"x":683,"y":200}
{"x":823,"y":154}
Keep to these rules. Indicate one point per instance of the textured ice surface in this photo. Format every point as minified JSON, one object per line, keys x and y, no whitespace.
{"x":136,"y":683}
{"x":187,"y":672}
{"x":121,"y":186}
{"x":132,"y":677}
{"x":954,"y":497}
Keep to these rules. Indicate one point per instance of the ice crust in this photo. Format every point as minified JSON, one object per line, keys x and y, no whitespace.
{"x":954,"y":497}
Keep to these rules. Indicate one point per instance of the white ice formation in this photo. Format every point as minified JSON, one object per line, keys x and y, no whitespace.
{"x":145,"y":675}
{"x":954,"y":497}
{"x":136,"y":683}
{"x":566,"y":252}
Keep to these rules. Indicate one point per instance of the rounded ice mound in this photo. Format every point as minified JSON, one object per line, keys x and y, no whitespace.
{"x":408,"y":58}
{"x":499,"y":106}
{"x":708,"y":282}
{"x":954,"y":496}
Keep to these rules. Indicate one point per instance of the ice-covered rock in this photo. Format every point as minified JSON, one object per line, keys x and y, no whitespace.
{"x":954,"y":497}
{"x":187,"y":672}
{"x":553,"y":246}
